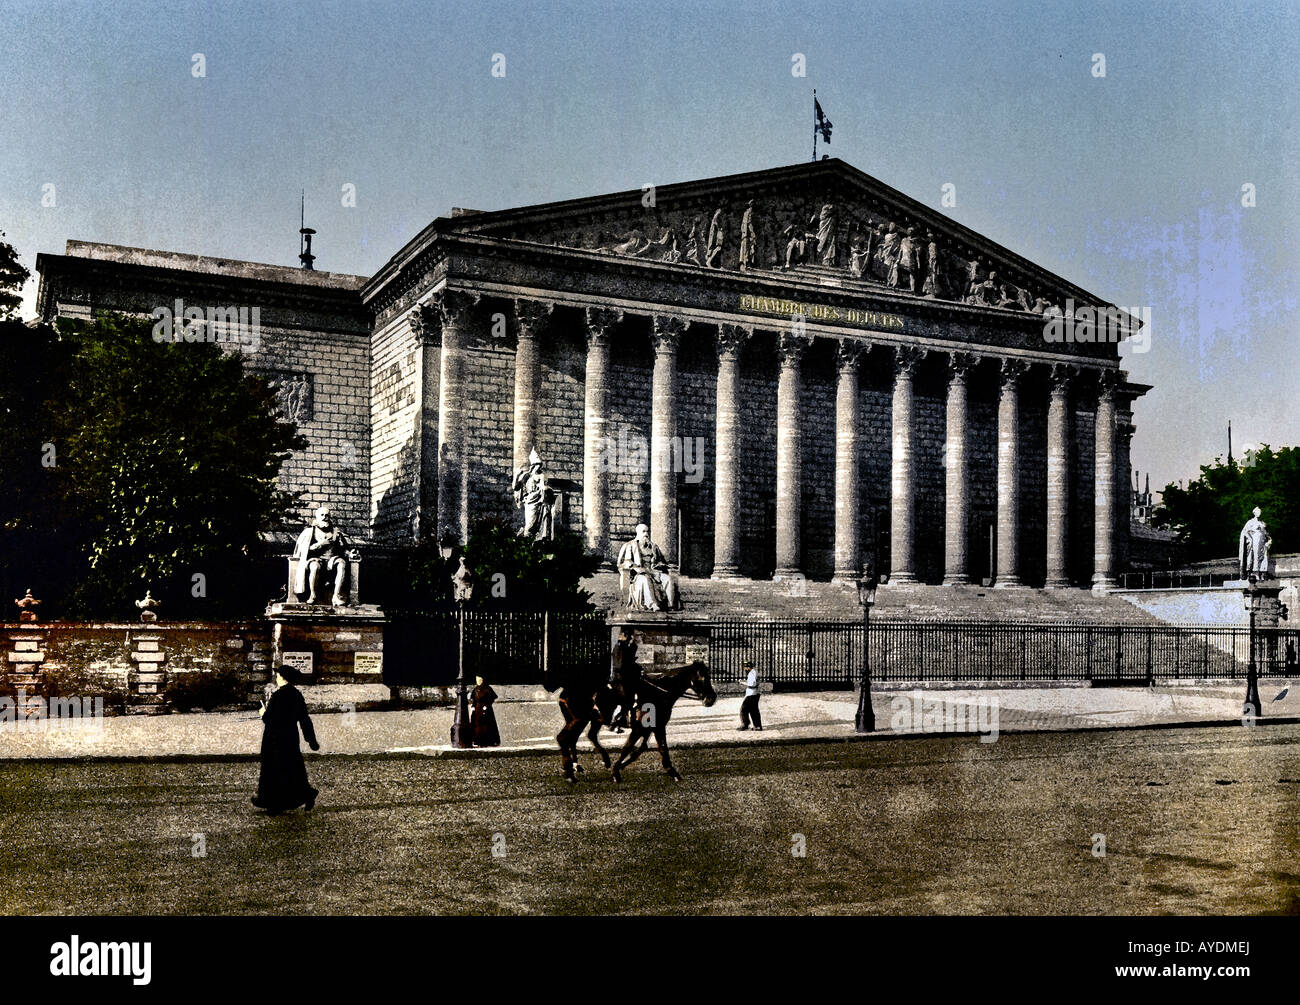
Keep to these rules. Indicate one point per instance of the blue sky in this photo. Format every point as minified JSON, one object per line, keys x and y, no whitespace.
{"x":1129,"y":185}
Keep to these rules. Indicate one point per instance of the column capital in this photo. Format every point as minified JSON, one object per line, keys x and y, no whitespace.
{"x":732,"y":338}
{"x":849,"y":351}
{"x":599,"y":321}
{"x":791,"y":347}
{"x":422,"y":322}
{"x":666,"y":332}
{"x":452,"y":306}
{"x":1061,"y":377}
{"x":961,"y":363}
{"x":906,"y":359}
{"x":530,"y":315}
{"x":1108,"y":382}
{"x":1010,"y":373}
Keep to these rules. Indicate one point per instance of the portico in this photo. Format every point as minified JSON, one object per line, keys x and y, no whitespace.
{"x":840,"y":421}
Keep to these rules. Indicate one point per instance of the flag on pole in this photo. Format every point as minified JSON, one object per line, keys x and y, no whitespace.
{"x":823,"y":124}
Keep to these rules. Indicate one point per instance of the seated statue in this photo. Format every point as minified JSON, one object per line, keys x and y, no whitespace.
{"x":322,"y":552}
{"x":640,"y":560}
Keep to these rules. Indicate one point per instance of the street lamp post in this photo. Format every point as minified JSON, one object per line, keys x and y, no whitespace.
{"x":865,"y":721}
{"x":1252,"y":707}
{"x":462,"y":589}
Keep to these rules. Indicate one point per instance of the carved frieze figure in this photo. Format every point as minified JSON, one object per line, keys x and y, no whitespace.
{"x":693,"y":244}
{"x":934,"y":285}
{"x":647,"y":569}
{"x":889,"y":250}
{"x":1253,"y":546}
{"x":795,"y":244}
{"x":827,"y":235}
{"x":1041,"y":305}
{"x":322,"y":553}
{"x":907,"y":262}
{"x":1007,"y":297}
{"x":1022,"y":299}
{"x":717,"y":238}
{"x":859,"y":255}
{"x":974,"y":276}
{"x":748,"y":239}
{"x":986,"y":293}
{"x":535,"y":497}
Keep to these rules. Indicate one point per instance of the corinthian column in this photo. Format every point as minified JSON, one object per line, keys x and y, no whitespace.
{"x":726,"y":464}
{"x":789,"y":457}
{"x":596,"y":451}
{"x":848,"y":544}
{"x":1105,"y":499}
{"x":1008,"y":566}
{"x":1058,"y":477}
{"x":453,"y":308}
{"x":666,"y":334}
{"x":956,"y":539}
{"x":530,"y":315}
{"x":902,"y":514}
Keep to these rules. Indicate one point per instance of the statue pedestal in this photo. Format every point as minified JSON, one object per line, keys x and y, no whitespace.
{"x":329,"y":645}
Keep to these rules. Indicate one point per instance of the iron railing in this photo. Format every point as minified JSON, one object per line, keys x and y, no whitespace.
{"x":503,"y":647}
{"x":808,"y":655}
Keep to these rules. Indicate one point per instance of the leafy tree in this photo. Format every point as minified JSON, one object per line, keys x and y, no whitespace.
{"x":166,"y":463}
{"x":511,"y":573}
{"x":13,"y":274}
{"x":1209,"y":513}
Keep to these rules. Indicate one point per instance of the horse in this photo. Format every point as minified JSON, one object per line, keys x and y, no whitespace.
{"x":586,"y":703}
{"x":656,"y":694}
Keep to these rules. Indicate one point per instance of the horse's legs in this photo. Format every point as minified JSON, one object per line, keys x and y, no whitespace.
{"x":662,"y":743}
{"x":567,"y":739}
{"x":628,"y":754}
{"x":592,"y":735}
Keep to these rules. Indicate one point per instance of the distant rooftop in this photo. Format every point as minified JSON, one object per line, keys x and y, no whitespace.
{"x":217,"y":266}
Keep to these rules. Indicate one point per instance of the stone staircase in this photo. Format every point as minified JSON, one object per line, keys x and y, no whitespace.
{"x":808,"y":600}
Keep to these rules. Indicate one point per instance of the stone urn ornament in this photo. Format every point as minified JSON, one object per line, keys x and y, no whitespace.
{"x":27,"y":607}
{"x":147,"y":608}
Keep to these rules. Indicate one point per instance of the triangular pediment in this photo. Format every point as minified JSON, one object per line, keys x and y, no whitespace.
{"x":825,"y":217}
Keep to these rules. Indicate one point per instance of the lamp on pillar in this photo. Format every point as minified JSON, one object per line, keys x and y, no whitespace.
{"x":865,"y":720}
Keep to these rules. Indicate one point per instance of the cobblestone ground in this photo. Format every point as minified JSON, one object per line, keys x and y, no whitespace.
{"x":1194,"y":821}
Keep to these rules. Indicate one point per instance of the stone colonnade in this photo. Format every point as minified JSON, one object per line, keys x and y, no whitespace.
{"x":1113,"y":431}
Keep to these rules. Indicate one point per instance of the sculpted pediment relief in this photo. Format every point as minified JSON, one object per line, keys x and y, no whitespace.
{"x":825,"y":226}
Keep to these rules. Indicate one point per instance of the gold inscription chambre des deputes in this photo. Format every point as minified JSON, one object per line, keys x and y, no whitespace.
{"x":820,"y":312}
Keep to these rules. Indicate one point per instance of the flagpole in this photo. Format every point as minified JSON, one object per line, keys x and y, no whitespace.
{"x":814,"y":125}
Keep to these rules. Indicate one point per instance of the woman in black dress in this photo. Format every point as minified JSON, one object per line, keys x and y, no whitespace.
{"x":282,"y":784}
{"x":483,"y":721}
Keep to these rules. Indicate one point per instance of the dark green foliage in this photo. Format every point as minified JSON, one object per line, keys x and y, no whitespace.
{"x":13,"y":274}
{"x":166,"y":460}
{"x":511,"y":573}
{"x":1209,"y":513}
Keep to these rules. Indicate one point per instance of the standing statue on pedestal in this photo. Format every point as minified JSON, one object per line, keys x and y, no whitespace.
{"x":536,"y":497}
{"x":322,"y":552}
{"x":643,"y":571}
{"x":1252,"y":550}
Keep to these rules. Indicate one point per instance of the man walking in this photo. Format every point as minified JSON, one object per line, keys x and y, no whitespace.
{"x":749,"y":707}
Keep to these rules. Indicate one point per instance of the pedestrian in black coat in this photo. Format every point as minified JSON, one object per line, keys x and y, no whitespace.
{"x":282,"y":784}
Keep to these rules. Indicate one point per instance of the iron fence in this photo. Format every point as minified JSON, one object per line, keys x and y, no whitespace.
{"x":503,"y":647}
{"x":828,"y":654}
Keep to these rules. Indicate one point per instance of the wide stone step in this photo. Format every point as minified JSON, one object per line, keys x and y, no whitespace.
{"x":809,"y":600}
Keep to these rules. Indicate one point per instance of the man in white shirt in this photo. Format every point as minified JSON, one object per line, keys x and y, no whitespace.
{"x":749,"y":707}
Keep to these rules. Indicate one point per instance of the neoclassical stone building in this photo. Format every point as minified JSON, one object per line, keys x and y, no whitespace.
{"x":797,"y":370}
